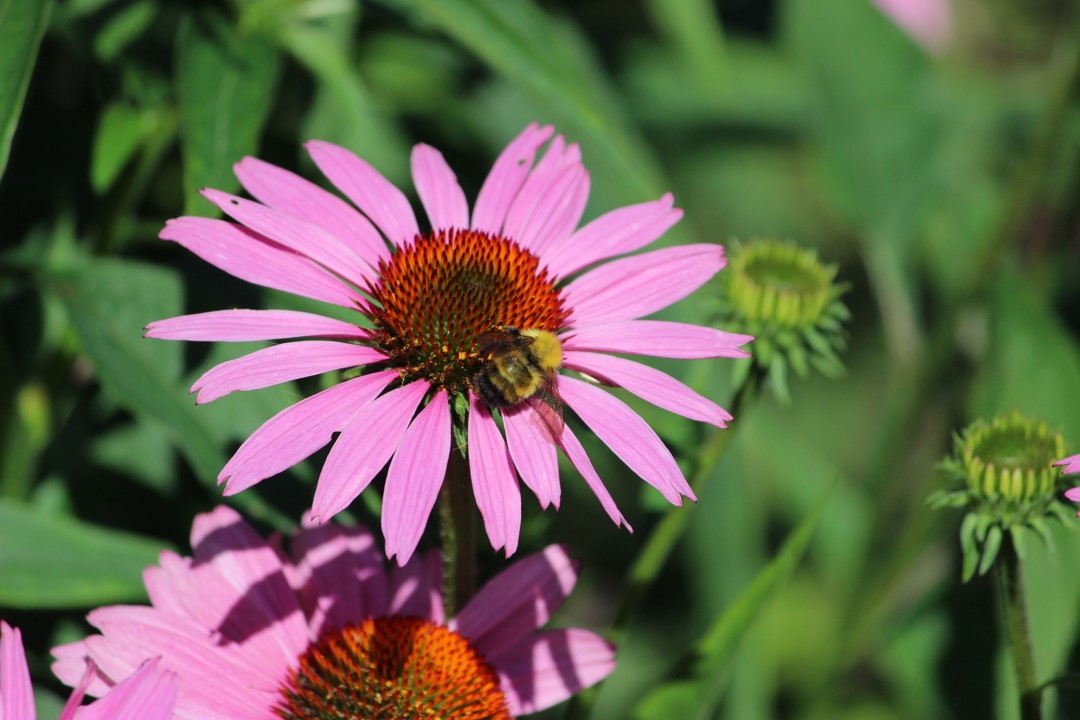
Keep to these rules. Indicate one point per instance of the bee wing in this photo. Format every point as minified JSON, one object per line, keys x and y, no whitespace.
{"x":498,"y":342}
{"x":548,"y":407}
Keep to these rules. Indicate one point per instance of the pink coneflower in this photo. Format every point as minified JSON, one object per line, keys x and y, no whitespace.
{"x":1071,"y":464}
{"x":148,"y":694}
{"x":254,"y":635}
{"x":425,"y":302}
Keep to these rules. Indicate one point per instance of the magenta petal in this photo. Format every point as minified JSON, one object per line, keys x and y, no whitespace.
{"x":16,"y":693}
{"x":520,"y":599}
{"x":628,"y":436}
{"x":534,"y":453}
{"x":290,"y":193}
{"x":363,"y":448}
{"x":364,"y":185}
{"x":248,"y":325}
{"x":641,"y":284}
{"x":249,"y":256}
{"x":299,"y":430}
{"x":149,"y":694}
{"x":1070,"y":465}
{"x":617,"y":232}
{"x":494,"y":483}
{"x":551,"y":188}
{"x":571,"y":446}
{"x":648,"y":384}
{"x":443,"y":198}
{"x":281,"y":363}
{"x":416,"y":588}
{"x":415,"y":477}
{"x":505,"y":179}
{"x":550,"y":667}
{"x":657,"y":338}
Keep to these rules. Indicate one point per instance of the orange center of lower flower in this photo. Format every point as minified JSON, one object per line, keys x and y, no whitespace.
{"x":392,"y":668}
{"x":437,"y":294}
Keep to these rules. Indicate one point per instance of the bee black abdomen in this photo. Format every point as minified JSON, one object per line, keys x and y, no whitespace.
{"x":485,"y":387}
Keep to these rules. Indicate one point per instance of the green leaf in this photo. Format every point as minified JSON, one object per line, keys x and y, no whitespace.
{"x":22,"y":24}
{"x":226,"y":83}
{"x":55,"y":561}
{"x":121,"y":130}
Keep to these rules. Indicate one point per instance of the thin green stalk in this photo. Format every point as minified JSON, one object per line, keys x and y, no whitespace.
{"x":1010,"y":585}
{"x":458,"y":534}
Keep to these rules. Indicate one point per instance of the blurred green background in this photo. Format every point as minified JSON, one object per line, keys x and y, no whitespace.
{"x":945,"y":184}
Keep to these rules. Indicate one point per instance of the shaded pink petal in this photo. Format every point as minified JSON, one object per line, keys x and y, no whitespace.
{"x":505,"y":179}
{"x":571,"y":446}
{"x":149,"y":694}
{"x":247,"y":255}
{"x":415,"y":477}
{"x":302,"y":237}
{"x":494,"y":484}
{"x":363,"y":448}
{"x":554,"y":191}
{"x":364,"y":185}
{"x":299,"y":430}
{"x":416,"y":589}
{"x":615,"y":233}
{"x":248,"y":325}
{"x":1070,"y":464}
{"x":628,"y":436}
{"x":550,"y":667}
{"x":16,"y":693}
{"x":443,"y":198}
{"x":281,"y":363}
{"x":290,"y":193}
{"x":928,"y":22}
{"x":518,"y":600}
{"x":534,"y":453}
{"x":71,"y":664}
{"x":648,"y":384}
{"x":657,"y":338}
{"x":642,"y":284}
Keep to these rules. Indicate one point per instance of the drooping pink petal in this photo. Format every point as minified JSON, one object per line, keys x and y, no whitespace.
{"x":281,"y":363}
{"x":574,"y":452}
{"x":505,"y":179}
{"x":648,"y":384}
{"x":639,"y":285}
{"x":301,"y":198}
{"x":363,"y":448}
{"x":628,"y":436}
{"x":617,"y":232}
{"x":250,"y":325}
{"x":249,"y":256}
{"x":16,"y":693}
{"x":494,"y":483}
{"x":520,"y":599}
{"x":550,"y":667}
{"x":534,"y":453}
{"x":415,"y":477}
{"x":416,"y":588}
{"x":149,"y":694}
{"x":443,"y":198}
{"x":299,"y":430}
{"x":658,"y":338}
{"x":376,"y":196}
{"x":302,"y":237}
{"x":1070,"y":464}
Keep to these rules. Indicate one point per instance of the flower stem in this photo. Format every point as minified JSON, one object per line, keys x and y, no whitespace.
{"x":1010,"y":584}
{"x":458,"y":534}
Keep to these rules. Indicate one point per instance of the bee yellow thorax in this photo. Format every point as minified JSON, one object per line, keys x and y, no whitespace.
{"x":545,"y":349}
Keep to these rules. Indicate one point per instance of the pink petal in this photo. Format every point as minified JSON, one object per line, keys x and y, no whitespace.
{"x":245,"y":254}
{"x":1070,"y":464}
{"x":71,"y":665}
{"x":363,"y":448}
{"x":368,"y":189}
{"x":506,"y":177}
{"x":551,"y":667}
{"x":928,"y":22}
{"x":534,"y":453}
{"x":309,"y":240}
{"x":518,"y":600}
{"x":628,"y":436}
{"x":415,"y":477}
{"x":657,"y":338}
{"x":443,"y":198}
{"x":552,"y":186}
{"x":290,"y":193}
{"x":416,"y":588}
{"x":16,"y":693}
{"x":248,"y":325}
{"x":149,"y":694}
{"x":281,"y":363}
{"x":299,"y":430}
{"x":615,"y":233}
{"x":648,"y":384}
{"x":494,"y":484}
{"x":642,"y":284}
{"x":562,"y":214}
{"x":571,"y":446}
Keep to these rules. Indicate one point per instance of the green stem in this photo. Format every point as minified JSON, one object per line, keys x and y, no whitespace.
{"x":458,"y":531}
{"x":1010,"y":584}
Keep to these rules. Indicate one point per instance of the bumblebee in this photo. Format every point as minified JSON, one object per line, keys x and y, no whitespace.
{"x":520,"y":366}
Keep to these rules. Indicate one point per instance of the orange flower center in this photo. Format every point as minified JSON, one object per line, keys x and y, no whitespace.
{"x":437,"y":294}
{"x":392,"y":668}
